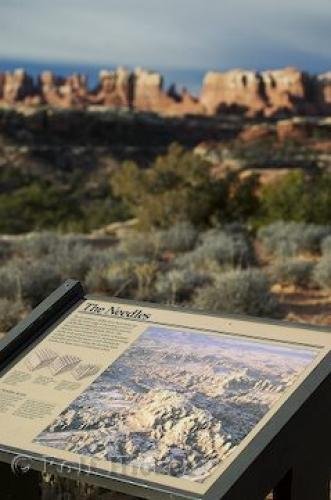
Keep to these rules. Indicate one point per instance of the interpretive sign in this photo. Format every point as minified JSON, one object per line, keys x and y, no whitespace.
{"x":155,"y":400}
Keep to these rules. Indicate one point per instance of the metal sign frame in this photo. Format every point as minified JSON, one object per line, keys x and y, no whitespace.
{"x":274,"y":458}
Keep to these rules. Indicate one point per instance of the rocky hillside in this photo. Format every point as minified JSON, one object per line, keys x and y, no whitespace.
{"x":251,"y":93}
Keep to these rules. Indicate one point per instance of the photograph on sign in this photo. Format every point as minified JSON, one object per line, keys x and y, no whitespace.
{"x":175,"y":402}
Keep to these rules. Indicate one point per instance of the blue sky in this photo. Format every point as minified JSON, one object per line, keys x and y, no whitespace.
{"x":186,"y":34}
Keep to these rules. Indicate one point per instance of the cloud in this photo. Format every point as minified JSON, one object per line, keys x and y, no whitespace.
{"x":172,"y":33}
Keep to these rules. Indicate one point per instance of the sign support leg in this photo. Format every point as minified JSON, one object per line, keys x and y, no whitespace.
{"x":310,"y":483}
{"x":283,"y":489}
{"x":18,"y":487}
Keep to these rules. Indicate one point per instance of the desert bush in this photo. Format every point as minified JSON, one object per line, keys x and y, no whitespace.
{"x":132,"y":278}
{"x":288,"y":239}
{"x":181,"y":237}
{"x":297,"y":197}
{"x":193,"y":262}
{"x":322,"y":272}
{"x":145,"y":274}
{"x":293,"y":272}
{"x":10,"y":281}
{"x":5,"y":251}
{"x":74,"y":260}
{"x":228,"y":250}
{"x":326,"y":246}
{"x":177,"y":187}
{"x":69,"y":255}
{"x":38,"y":245}
{"x":95,"y":278}
{"x":180,"y":186}
{"x":120,"y":276}
{"x":95,"y":281}
{"x":121,"y":279}
{"x":142,"y":244}
{"x":10,"y":314}
{"x":38,"y":280}
{"x":218,"y":249}
{"x":177,"y":286}
{"x":32,"y":201}
{"x":238,"y":291}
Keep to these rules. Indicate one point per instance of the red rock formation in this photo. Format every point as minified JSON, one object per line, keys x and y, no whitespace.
{"x":256,"y":132}
{"x":114,"y":89}
{"x":295,"y":129}
{"x":285,"y":91}
{"x":323,"y":93}
{"x":75,"y":86}
{"x":188,"y":104}
{"x":181,"y":104}
{"x":2,"y":83}
{"x":235,"y":90}
{"x":16,"y":86}
{"x":49,"y":88}
{"x":150,"y":96}
{"x":148,"y":92}
{"x":63,"y":93}
{"x":269,"y":93}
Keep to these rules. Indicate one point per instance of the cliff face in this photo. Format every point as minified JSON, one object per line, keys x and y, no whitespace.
{"x":234,"y":90}
{"x":286,"y":89}
{"x":323,"y":92}
{"x":269,"y":93}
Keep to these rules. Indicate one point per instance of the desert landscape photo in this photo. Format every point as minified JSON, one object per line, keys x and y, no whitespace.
{"x":177,"y":402}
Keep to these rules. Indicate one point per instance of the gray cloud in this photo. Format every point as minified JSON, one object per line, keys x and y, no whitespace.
{"x":171,"y":33}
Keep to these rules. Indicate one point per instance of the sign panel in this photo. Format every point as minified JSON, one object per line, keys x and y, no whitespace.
{"x":150,"y":394}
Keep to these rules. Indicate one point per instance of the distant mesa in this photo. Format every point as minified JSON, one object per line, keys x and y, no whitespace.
{"x":287,"y":91}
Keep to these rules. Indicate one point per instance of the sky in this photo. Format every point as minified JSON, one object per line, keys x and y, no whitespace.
{"x":175,"y":34}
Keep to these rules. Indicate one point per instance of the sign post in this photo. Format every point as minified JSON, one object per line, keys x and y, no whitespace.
{"x":162,"y":402}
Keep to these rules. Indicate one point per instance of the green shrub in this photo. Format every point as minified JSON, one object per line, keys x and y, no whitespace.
{"x":178,"y":285}
{"x":322,"y":272}
{"x":71,"y":257}
{"x":142,"y":244}
{"x":297,"y":197}
{"x":225,"y":249}
{"x":288,"y":239}
{"x":38,"y":280}
{"x":96,"y":281}
{"x":180,"y":186}
{"x":145,"y":275}
{"x":38,"y":245}
{"x":181,"y":237}
{"x":120,"y":279}
{"x":95,"y":278}
{"x":293,"y":272}
{"x":10,"y":314}
{"x":5,"y":251}
{"x":232,"y":248}
{"x":74,"y":260}
{"x":238,"y":291}
{"x":69,"y":196}
{"x":37,"y":205}
{"x":10,"y":281}
{"x":326,"y":246}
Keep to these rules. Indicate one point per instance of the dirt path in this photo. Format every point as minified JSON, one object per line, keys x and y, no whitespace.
{"x":305,"y":305}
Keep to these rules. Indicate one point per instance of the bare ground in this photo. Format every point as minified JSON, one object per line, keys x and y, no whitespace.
{"x":305,"y":305}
